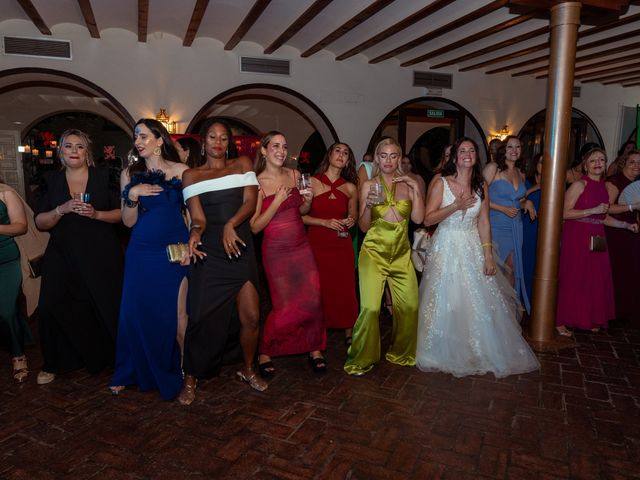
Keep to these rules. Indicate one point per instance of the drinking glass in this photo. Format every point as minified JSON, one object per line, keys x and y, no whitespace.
{"x":304,"y":182}
{"x":82,"y":196}
{"x":379,"y":191}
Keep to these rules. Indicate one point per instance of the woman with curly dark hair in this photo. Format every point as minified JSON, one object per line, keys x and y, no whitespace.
{"x":507,"y":198}
{"x":333,"y":212}
{"x":154,"y":291}
{"x":468,"y":311}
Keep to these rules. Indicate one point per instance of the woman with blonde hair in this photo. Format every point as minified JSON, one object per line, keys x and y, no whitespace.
{"x":82,"y":265}
{"x":387,"y":202}
{"x":585,"y":287}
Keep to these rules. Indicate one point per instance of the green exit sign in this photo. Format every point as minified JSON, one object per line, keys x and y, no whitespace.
{"x":434,"y":113}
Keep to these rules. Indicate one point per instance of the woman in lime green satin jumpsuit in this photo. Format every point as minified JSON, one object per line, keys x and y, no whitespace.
{"x":385,"y":257}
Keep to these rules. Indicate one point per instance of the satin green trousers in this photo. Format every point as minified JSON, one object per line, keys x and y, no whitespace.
{"x":385,"y":257}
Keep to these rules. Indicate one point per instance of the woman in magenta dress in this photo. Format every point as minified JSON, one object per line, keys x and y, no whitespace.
{"x":295,"y":323}
{"x":333,"y":213}
{"x":624,"y":246}
{"x":585,"y":290}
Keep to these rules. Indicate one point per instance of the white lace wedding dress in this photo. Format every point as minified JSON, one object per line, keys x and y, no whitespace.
{"x":468,"y":321}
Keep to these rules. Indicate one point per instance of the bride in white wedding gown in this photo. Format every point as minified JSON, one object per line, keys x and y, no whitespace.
{"x":468,"y":316}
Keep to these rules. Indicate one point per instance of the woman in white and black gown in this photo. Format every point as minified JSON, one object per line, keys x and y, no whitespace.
{"x":468,"y":316}
{"x":221,"y":194}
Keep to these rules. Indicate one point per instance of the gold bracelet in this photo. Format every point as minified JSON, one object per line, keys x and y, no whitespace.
{"x":487,"y":245}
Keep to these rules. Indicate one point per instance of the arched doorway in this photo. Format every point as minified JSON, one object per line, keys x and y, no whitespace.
{"x":424,"y":126}
{"x":263,"y":107}
{"x":30,"y":96}
{"x":110,"y":145}
{"x":583,"y":130}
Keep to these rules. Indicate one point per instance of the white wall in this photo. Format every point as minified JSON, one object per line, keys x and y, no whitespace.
{"x":354,"y":95}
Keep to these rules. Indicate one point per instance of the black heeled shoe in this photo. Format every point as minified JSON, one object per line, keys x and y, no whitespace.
{"x":267,"y":370}
{"x":319,"y":364}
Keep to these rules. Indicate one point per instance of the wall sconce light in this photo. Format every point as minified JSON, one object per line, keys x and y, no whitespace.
{"x":35,"y":152}
{"x":164,"y":119}
{"x":502,"y":134}
{"x":53,"y":144}
{"x":48,"y":153}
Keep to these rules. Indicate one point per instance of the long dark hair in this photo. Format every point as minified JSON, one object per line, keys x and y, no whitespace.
{"x":450,"y":168}
{"x":167,"y":150}
{"x":501,"y":159}
{"x":232,"y":151}
{"x":193,"y":147}
{"x":348,"y":172}
{"x":532,"y":171}
{"x":261,"y":161}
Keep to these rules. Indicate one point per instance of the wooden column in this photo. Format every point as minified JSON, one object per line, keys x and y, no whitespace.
{"x":565,"y":20}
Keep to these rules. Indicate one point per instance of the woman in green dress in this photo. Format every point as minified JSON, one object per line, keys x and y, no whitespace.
{"x":13,"y":327}
{"x":385,"y":258}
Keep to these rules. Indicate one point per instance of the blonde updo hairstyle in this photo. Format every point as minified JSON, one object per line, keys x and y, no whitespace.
{"x":383,"y":143}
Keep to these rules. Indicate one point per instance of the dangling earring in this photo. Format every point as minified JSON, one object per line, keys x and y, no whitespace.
{"x":202,"y":151}
{"x":157,"y":151}
{"x":226,"y":154}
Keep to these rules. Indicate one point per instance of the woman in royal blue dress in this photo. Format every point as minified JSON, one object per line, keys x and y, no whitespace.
{"x":154,"y":291}
{"x":506,"y":198}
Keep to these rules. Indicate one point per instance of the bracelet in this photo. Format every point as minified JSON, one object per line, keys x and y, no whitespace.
{"x":487,"y":245}
{"x":130,"y":203}
{"x":58,"y":212}
{"x":195,"y":226}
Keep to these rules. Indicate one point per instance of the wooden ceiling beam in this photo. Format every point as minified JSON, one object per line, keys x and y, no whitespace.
{"x":583,"y":34}
{"x":512,"y":22}
{"x":308,"y":15}
{"x":612,"y":77}
{"x":459,"y":22}
{"x":591,"y":56}
{"x":143,"y":19}
{"x":542,"y":46}
{"x":352,"y":23}
{"x":247,"y":23}
{"x":194,"y":24}
{"x":89,"y":18}
{"x":595,"y":73}
{"x":398,"y":27}
{"x":34,"y":16}
{"x":635,"y":82}
{"x":623,"y":81}
{"x":496,"y":46}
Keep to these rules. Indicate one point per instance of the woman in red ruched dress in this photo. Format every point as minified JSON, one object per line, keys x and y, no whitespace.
{"x":333,"y":213}
{"x":295,"y":324}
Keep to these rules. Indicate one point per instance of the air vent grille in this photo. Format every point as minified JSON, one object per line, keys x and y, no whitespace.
{"x":430,"y":79}
{"x":265,"y":65}
{"x":576,"y":92}
{"x":37,"y":47}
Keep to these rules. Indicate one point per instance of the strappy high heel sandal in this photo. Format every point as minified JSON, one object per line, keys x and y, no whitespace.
{"x":20,"y":369}
{"x":116,"y":389}
{"x":253,"y":379}
{"x":188,"y":392}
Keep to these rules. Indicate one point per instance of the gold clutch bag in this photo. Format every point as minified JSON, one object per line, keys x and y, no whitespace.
{"x":176,"y":252}
{"x":598,"y":243}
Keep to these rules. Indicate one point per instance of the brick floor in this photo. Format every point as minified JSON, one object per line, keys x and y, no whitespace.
{"x":579,"y":417}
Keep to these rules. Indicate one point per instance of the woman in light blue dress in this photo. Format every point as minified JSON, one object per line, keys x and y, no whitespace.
{"x":507,"y":192}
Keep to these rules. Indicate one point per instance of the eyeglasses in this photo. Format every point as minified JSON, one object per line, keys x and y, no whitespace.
{"x":391,"y":156}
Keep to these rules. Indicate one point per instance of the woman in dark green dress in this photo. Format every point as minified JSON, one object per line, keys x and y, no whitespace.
{"x":13,"y":329}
